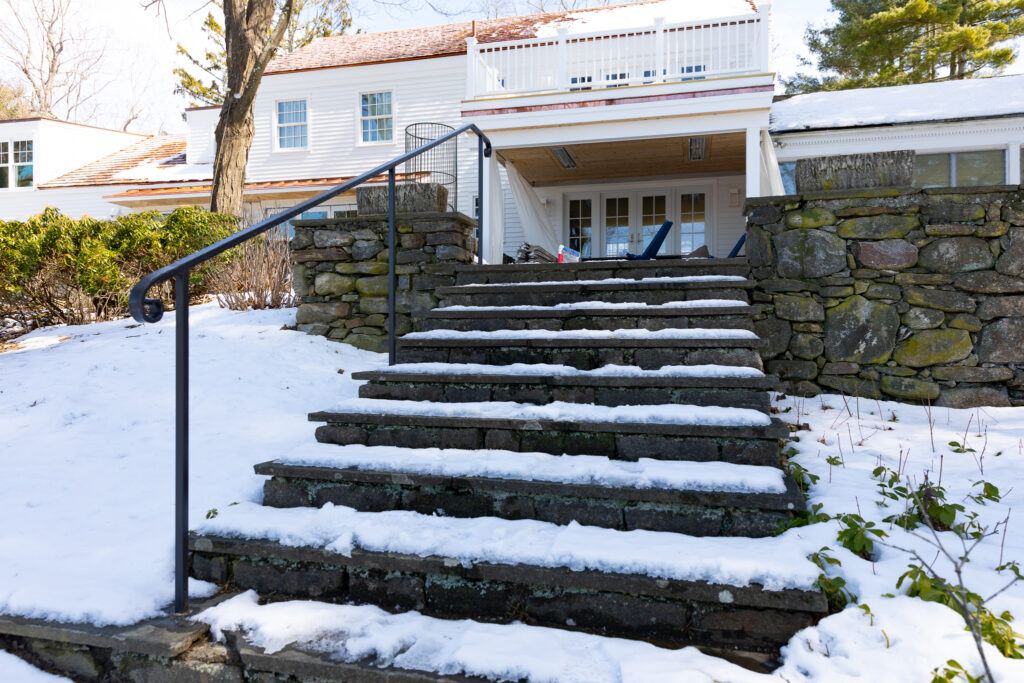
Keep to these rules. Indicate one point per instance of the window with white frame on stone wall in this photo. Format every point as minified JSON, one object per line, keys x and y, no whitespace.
{"x":292,"y":124}
{"x":376,"y":117}
{"x":960,"y":169}
{"x":16,"y":164}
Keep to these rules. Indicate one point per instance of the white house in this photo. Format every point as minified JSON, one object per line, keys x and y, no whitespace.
{"x":35,"y":152}
{"x":605,"y":123}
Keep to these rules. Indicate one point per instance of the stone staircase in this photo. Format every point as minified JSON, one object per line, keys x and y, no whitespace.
{"x":618,"y":402}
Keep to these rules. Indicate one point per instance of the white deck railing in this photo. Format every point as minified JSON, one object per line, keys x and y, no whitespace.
{"x":661,"y":53}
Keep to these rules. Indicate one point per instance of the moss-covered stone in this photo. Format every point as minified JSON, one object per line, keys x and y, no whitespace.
{"x":861,"y":331}
{"x":798,"y":308}
{"x":810,"y":218}
{"x":808,"y":254}
{"x":909,"y":388}
{"x":923,"y":318}
{"x":956,"y":255}
{"x":332,"y":284}
{"x":964,"y":321}
{"x":877,"y":227}
{"x":373,"y":286}
{"x":853,"y":386}
{"x":362,"y":268}
{"x":933,"y":347}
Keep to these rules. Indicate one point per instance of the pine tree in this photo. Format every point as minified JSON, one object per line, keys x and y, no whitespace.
{"x":896,"y":42}
{"x":203,"y":82}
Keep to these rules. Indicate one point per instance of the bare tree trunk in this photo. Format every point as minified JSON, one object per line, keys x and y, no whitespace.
{"x":250,"y":38}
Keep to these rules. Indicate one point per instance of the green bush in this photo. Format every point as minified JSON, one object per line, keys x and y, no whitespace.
{"x":55,"y":269}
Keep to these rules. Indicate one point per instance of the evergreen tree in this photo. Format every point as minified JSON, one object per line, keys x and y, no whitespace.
{"x":896,"y":42}
{"x":203,"y":82}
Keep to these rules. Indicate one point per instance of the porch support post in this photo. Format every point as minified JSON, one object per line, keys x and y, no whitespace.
{"x":753,"y":165}
{"x":659,"y":50}
{"x":472,"y":57}
{"x":1013,"y":172}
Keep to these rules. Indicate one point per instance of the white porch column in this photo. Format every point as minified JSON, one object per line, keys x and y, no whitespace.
{"x":493,"y":211}
{"x":1013,"y":164}
{"x":472,"y":57}
{"x":753,"y":163}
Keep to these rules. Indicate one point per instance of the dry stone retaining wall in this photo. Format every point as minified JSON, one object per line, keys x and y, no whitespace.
{"x":341,"y":264}
{"x":908,"y":294}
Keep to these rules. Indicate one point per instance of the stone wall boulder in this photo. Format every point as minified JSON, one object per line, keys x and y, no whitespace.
{"x":861,"y":331}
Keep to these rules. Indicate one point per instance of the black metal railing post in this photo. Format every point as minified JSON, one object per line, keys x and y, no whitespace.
{"x":147,"y":310}
{"x":392,"y":277}
{"x":181,"y":442}
{"x":480,"y":200}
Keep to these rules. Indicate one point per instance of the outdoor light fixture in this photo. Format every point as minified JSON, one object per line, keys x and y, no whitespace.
{"x":563,"y":156}
{"x":697,"y":149}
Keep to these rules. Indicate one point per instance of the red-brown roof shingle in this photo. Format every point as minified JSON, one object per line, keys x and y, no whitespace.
{"x":168,"y":149}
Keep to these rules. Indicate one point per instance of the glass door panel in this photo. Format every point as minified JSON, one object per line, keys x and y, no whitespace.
{"x":581,"y":226}
{"x":616,"y":226}
{"x":653,"y":212}
{"x":692,"y":218}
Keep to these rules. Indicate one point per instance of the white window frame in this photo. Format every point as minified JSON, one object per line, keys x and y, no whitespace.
{"x":360,"y":142}
{"x":12,"y":166}
{"x":276,"y":126}
{"x":952,"y":153}
{"x":673,"y":189}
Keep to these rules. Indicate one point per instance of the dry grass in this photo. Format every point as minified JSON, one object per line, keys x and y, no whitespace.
{"x":256,"y":274}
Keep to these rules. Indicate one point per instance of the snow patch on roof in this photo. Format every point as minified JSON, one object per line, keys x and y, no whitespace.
{"x":644,"y":14}
{"x":976,"y":98}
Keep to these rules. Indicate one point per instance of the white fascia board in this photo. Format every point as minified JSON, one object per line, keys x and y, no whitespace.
{"x":974,"y":134}
{"x":618,"y":130}
{"x":601,"y":93}
{"x":718,"y":105}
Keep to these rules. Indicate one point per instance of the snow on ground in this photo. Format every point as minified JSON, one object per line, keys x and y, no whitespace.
{"x":639,"y":282}
{"x":678,"y":414}
{"x":87,"y":465}
{"x":15,"y":670}
{"x":590,"y":470}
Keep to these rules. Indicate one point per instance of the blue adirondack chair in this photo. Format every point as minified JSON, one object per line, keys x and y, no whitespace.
{"x":655,"y":244}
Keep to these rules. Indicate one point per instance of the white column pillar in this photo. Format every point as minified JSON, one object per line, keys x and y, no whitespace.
{"x":1013,"y":164}
{"x":561,"y":62}
{"x":753,"y":165}
{"x":764,"y":38}
{"x":472,"y":57}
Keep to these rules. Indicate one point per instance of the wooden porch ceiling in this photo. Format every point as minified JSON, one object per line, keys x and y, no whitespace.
{"x":646,"y":158}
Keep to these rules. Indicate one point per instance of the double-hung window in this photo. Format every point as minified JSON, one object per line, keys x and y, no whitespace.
{"x":292,"y":125}
{"x":16,"y":164}
{"x":960,"y":169}
{"x":375,"y":117}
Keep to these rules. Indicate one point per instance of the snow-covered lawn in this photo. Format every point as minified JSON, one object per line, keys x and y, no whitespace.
{"x":87,"y":466}
{"x":86,"y":495}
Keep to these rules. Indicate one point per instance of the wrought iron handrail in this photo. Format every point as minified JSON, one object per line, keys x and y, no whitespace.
{"x":148,"y":310}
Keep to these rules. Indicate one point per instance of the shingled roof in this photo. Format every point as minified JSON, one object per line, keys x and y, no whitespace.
{"x":430,"y":41}
{"x":165,"y":150}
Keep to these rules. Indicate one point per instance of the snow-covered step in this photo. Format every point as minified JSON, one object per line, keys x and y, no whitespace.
{"x":584,"y":349}
{"x":592,"y":270}
{"x":704,"y":385}
{"x":699,"y":499}
{"x":651,"y":290}
{"x":665,"y":432}
{"x":733,"y":592}
{"x":596,"y":315}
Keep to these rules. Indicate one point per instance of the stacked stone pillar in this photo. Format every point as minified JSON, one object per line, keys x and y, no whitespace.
{"x":341,"y":264}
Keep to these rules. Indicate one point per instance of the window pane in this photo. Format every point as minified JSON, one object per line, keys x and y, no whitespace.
{"x":931,"y":170}
{"x":4,"y":178}
{"x":23,"y":152}
{"x":580,"y":226}
{"x":616,"y":226}
{"x":24,"y":175}
{"x":291,"y":121}
{"x":980,"y":168}
{"x":691,"y":221}
{"x":4,"y":153}
{"x":788,"y":171}
{"x":652,"y":216}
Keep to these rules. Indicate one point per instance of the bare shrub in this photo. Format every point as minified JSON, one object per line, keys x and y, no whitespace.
{"x":256,"y":274}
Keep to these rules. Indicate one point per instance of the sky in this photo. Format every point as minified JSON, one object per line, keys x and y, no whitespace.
{"x":141,"y":46}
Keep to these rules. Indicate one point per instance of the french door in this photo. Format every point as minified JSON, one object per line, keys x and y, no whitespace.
{"x":610,"y":224}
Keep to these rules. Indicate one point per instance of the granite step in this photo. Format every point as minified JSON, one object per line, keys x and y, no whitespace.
{"x":697,"y":511}
{"x":582,"y":353}
{"x":492,"y":384}
{"x":596,"y":270}
{"x":655,"y":586}
{"x":745,"y":445}
{"x":549,"y":293}
{"x":609,"y":317}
